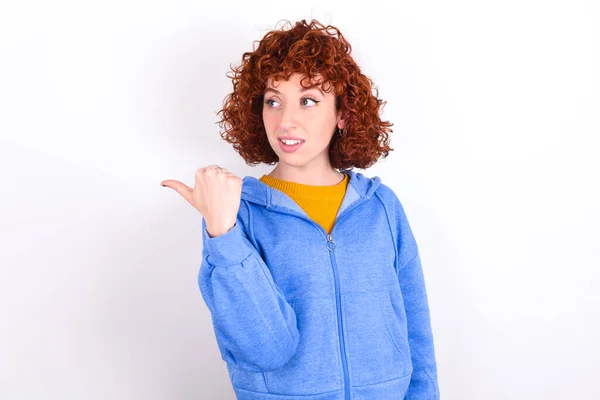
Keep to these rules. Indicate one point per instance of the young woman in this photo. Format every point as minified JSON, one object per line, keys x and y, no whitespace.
{"x":311,"y":273}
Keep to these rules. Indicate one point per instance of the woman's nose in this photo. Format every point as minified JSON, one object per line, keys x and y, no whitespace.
{"x":288,"y":118}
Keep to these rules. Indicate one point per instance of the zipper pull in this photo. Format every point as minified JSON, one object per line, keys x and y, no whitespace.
{"x":330,"y":243}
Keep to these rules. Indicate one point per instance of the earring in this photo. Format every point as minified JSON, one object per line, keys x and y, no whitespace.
{"x":342,"y":133}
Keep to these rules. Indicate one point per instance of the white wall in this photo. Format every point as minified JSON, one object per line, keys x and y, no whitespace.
{"x":496,"y":108}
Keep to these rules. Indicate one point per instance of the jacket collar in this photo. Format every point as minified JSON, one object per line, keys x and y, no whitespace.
{"x":359,"y":187}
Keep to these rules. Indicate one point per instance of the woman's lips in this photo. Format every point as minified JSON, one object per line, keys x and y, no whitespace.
{"x":289,"y":149}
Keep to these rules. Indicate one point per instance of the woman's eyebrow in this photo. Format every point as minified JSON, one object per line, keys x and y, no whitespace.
{"x":270,"y":89}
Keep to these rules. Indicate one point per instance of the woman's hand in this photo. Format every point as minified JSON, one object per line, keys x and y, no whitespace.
{"x":217,"y":194}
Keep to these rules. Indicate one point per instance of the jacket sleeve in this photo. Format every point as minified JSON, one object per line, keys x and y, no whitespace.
{"x":254,"y":325}
{"x":423,"y":384}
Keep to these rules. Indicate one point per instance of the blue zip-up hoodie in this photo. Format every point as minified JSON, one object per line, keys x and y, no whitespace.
{"x":302,"y":314}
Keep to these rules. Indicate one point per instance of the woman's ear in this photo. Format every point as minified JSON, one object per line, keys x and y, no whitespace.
{"x":341,"y":122}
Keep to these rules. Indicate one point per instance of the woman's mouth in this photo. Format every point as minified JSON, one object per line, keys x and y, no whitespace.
{"x":290,"y":146}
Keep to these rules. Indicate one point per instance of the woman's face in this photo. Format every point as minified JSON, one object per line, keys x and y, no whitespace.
{"x":291,"y":111}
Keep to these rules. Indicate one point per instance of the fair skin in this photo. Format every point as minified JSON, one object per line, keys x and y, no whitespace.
{"x":309,"y":114}
{"x":288,"y":110}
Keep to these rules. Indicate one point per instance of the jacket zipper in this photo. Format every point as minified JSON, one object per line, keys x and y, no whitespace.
{"x":331,"y":247}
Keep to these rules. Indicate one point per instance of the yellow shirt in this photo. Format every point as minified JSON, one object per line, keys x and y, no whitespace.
{"x":321,"y":203}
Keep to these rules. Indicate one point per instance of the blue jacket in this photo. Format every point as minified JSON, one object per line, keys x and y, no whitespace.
{"x":302,"y":314}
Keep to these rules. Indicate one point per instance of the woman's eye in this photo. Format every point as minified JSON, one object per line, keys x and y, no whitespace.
{"x":268,"y":102}
{"x":308,"y":98}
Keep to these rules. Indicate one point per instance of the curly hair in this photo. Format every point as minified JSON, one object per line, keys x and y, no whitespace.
{"x":311,"y":50}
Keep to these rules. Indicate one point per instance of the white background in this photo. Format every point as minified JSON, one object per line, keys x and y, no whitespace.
{"x":496,"y":109}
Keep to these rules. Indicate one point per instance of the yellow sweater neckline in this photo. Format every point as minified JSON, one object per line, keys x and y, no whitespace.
{"x":295,"y":189}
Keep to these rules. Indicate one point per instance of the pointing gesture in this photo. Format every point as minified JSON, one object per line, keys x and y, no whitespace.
{"x":216,"y":194}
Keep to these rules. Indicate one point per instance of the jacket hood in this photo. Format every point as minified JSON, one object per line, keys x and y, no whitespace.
{"x":255,"y":191}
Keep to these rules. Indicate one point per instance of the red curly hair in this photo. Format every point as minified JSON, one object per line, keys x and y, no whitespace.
{"x":311,"y":50}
